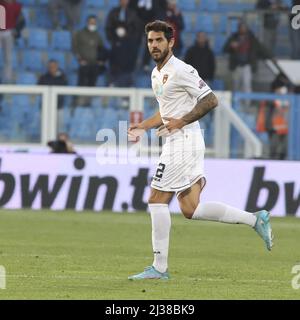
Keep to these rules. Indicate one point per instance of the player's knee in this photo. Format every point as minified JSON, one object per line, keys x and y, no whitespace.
{"x":188,"y":214}
{"x":153,"y":198}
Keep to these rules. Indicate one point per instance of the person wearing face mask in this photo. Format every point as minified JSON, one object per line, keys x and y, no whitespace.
{"x":12,"y":14}
{"x":273,"y":119}
{"x":122,"y":27}
{"x":86,"y":45}
{"x":277,"y":113}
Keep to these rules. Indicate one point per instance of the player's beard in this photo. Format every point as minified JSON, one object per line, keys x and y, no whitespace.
{"x":161,"y":58}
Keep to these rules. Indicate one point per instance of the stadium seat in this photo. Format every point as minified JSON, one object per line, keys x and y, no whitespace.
{"x":21,"y":100}
{"x":28,"y":2}
{"x":20,"y":43}
{"x":209,"y":5}
{"x":244,"y":6}
{"x":43,"y":2}
{"x":187,"y":5}
{"x":110,"y":119}
{"x":218,"y":84}
{"x":95,"y":3}
{"x":188,"y":22}
{"x":61,"y":40}
{"x":123,"y":115}
{"x":42,"y":17}
{"x":205,"y":23}
{"x":113,"y":3}
{"x":38,"y":38}
{"x":32,"y":60}
{"x":222,"y":27}
{"x":143,"y":81}
{"x":26,"y":78}
{"x":83,"y":113}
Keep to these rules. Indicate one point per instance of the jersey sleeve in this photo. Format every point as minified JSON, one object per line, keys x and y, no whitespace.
{"x":190,"y":81}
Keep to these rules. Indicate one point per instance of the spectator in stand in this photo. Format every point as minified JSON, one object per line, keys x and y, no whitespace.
{"x":54,"y":77}
{"x":175,"y":19}
{"x":147,"y":11}
{"x":244,"y":52}
{"x":86,"y":46}
{"x":202,"y":58}
{"x":12,"y":12}
{"x":63,"y":144}
{"x":271,"y":19}
{"x":295,"y":34}
{"x":122,"y":27}
{"x":276,"y":120}
{"x":71,"y":9}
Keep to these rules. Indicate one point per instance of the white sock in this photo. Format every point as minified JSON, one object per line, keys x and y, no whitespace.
{"x":161,"y":225}
{"x":217,"y":211}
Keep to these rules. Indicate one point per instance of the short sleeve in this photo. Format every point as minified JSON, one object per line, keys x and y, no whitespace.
{"x":190,"y":81}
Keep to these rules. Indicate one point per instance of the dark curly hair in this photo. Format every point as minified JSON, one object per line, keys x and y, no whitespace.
{"x":160,"y":26}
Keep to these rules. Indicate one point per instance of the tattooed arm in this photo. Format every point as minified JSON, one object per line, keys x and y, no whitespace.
{"x":200,"y":110}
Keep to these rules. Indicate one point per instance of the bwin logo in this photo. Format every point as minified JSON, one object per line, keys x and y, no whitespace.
{"x":296,"y":19}
{"x":2,"y":18}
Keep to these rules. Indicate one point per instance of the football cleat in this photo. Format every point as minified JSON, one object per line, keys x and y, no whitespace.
{"x":263,"y":228}
{"x":150,"y":273}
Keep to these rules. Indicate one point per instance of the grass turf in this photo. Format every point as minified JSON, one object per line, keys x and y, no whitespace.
{"x":67,"y":255}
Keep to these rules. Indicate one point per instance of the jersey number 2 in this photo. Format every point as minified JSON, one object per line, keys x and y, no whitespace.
{"x":160,"y":170}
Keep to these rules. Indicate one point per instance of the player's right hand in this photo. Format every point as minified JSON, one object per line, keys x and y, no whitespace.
{"x":135,"y":132}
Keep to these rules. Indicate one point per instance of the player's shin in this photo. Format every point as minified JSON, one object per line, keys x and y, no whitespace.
{"x":161,"y":225}
{"x":217,"y":211}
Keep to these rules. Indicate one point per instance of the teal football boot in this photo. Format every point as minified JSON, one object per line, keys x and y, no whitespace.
{"x":263,"y":228}
{"x":150,"y":273}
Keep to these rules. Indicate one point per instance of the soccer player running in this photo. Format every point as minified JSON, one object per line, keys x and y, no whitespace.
{"x":183,"y":99}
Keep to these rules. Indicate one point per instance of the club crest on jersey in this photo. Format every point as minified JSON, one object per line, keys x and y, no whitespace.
{"x":165,"y":78}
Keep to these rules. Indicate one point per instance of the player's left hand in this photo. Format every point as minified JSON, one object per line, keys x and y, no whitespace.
{"x":174,"y":124}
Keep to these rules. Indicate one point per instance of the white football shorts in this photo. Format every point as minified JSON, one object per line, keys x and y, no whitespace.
{"x":181,"y":163}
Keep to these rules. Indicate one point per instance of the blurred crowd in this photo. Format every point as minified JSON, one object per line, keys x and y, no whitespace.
{"x":127,"y":50}
{"x":121,"y":52}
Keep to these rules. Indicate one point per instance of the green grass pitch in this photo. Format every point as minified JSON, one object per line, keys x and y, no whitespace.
{"x":67,"y":255}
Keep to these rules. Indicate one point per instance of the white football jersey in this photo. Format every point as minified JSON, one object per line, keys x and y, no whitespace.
{"x":177,"y":88}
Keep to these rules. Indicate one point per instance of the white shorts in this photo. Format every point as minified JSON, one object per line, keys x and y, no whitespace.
{"x":181,"y":163}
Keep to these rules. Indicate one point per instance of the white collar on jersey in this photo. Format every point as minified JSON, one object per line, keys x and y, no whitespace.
{"x":168,"y":62}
